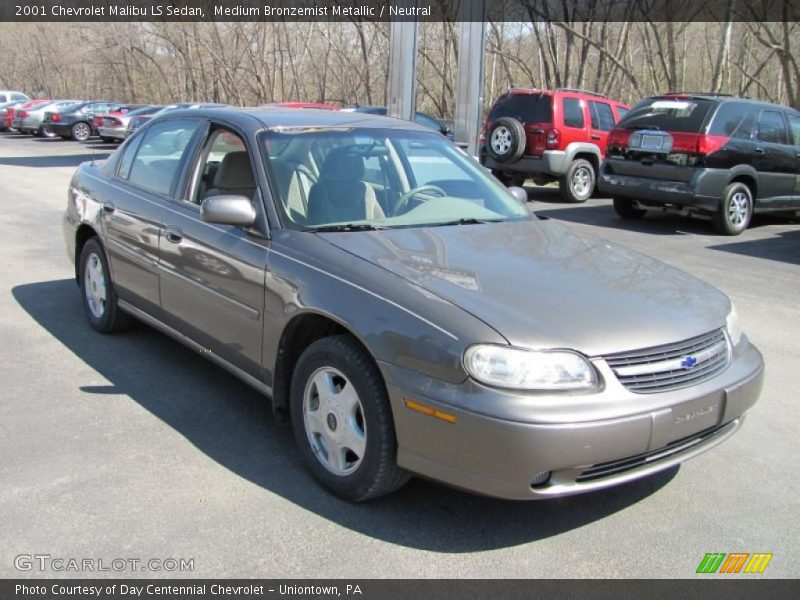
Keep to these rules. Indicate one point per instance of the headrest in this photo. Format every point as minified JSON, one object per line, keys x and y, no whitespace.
{"x":234,"y":172}
{"x":343,"y":165}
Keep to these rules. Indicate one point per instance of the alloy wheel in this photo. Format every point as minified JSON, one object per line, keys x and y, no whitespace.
{"x":501,"y":140}
{"x":738,"y":209}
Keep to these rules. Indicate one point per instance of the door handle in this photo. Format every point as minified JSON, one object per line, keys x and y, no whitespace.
{"x":760,"y":150}
{"x":109,"y":207}
{"x":174,"y":235}
{"x":595,"y":136}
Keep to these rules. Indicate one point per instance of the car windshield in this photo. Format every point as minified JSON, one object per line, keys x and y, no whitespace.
{"x":363,"y":178}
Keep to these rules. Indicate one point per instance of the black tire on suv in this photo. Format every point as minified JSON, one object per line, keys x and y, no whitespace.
{"x":511,"y":180}
{"x":506,"y":140}
{"x":624,"y":208}
{"x":735,"y":210}
{"x":577,"y":184}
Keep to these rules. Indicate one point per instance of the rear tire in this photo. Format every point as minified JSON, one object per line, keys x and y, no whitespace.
{"x":577,"y":184}
{"x":342,"y":420}
{"x":81,"y":132}
{"x":625,"y":209}
{"x":97,"y":290}
{"x":509,"y":180}
{"x":735,"y":211}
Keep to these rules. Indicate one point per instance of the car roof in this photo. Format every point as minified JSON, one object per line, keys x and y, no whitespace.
{"x":719,"y":98}
{"x":274,"y":117}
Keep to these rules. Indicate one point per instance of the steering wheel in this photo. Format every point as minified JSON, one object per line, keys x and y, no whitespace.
{"x":402,"y":202}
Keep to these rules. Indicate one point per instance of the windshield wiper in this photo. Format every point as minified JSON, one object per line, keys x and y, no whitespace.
{"x":344,"y":227}
{"x":465,"y":221}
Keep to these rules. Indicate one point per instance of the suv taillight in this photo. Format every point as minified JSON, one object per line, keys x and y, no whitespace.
{"x":701,"y":144}
{"x":553,"y":139}
{"x":618,"y":138}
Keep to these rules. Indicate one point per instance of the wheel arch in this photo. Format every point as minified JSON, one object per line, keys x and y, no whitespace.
{"x":300,"y":332}
{"x":83,"y":234}
{"x":750,"y":180}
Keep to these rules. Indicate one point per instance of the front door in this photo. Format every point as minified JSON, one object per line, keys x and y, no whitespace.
{"x":212,"y":275}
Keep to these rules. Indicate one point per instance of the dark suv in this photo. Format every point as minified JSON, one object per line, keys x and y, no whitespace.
{"x":715,"y":156}
{"x":549,"y":135}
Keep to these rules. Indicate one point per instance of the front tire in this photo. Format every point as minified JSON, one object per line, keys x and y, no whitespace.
{"x":81,"y":132}
{"x":98,"y":295}
{"x":625,"y":208}
{"x":342,"y":420}
{"x":735,"y":211}
{"x":577,"y":185}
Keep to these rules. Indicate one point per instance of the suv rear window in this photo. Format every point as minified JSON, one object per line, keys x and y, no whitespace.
{"x":669,"y":114}
{"x":528,"y":108}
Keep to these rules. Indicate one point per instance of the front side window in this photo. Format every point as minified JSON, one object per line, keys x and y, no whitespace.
{"x":224,"y":169}
{"x":159,"y":156}
{"x":771,"y":128}
{"x":376,"y":178}
{"x":573,"y":113}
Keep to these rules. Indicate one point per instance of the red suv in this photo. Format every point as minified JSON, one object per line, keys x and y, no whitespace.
{"x":550,"y":135}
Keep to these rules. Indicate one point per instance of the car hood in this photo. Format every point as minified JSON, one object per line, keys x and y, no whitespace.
{"x":542,"y":286}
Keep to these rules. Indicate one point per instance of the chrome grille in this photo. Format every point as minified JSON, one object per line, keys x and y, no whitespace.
{"x":672,"y":366}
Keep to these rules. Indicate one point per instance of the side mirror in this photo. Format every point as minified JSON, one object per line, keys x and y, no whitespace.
{"x":519,"y":194}
{"x":228,"y":210}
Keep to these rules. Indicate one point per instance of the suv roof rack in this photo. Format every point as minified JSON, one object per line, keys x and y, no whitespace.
{"x":709,"y":94}
{"x":580,"y":91}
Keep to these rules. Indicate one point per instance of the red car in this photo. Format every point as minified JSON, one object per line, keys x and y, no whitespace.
{"x":550,"y":135}
{"x":9,"y":117}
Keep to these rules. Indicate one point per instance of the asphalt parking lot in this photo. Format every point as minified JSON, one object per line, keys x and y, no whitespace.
{"x":132,"y":446}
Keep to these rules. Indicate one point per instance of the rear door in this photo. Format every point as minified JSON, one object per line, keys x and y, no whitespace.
{"x":774,"y":159}
{"x":144,"y":183}
{"x":794,"y":138}
{"x":575,"y":121}
{"x":602,"y":121}
{"x":212,"y":275}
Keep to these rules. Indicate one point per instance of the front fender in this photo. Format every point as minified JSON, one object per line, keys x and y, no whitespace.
{"x":397,"y":321}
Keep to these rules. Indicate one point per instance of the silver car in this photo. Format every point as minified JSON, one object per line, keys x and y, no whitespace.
{"x":30,"y":120}
{"x":403,"y":308}
{"x":113,"y":127}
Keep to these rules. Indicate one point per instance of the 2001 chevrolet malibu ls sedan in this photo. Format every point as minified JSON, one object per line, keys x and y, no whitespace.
{"x":403,"y":308}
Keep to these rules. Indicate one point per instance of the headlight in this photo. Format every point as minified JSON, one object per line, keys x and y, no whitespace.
{"x":732,"y":325}
{"x":518,"y":369}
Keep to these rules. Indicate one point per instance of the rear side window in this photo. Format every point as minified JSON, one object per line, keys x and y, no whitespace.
{"x":573,"y":113}
{"x":156,"y":164}
{"x":771,"y":128}
{"x":127,"y":159}
{"x":794,"y":128}
{"x":732,"y":120}
{"x":669,"y":114}
{"x":3,"y":98}
{"x":602,"y":116}
{"x":528,"y":108}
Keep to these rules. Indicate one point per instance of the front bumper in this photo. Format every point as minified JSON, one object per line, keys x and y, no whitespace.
{"x":501,"y":457}
{"x":551,"y":162}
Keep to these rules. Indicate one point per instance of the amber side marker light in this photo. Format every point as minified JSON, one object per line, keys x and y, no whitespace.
{"x":429,"y":410}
